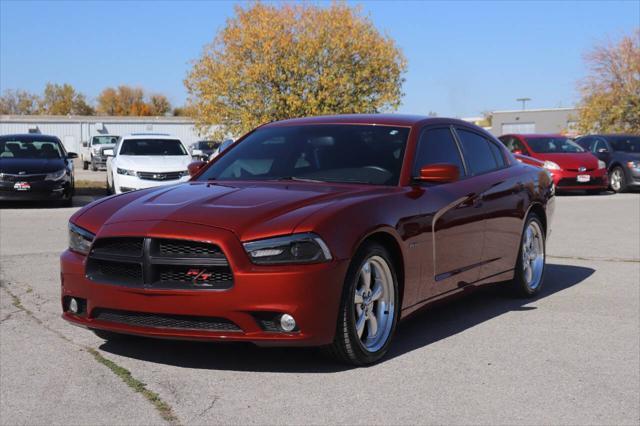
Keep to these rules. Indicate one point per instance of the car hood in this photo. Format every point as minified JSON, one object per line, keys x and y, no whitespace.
{"x":30,"y":166}
{"x":249,"y":210}
{"x":572,"y":160}
{"x":154,"y":163}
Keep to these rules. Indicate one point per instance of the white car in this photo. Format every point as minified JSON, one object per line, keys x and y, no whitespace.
{"x":145,"y":160}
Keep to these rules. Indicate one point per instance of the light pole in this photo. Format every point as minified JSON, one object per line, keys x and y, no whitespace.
{"x":524,"y":102}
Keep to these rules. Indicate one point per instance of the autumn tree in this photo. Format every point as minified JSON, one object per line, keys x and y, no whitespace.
{"x":18,"y":102}
{"x":274,"y":61}
{"x":63,"y":99}
{"x":126,"y":100}
{"x":611,"y":92}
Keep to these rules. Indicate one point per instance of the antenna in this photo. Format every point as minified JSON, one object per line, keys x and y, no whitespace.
{"x":524,"y":102}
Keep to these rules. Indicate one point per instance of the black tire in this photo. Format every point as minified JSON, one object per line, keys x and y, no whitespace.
{"x":85,"y":165}
{"x":347,"y":346}
{"x":519,"y":286}
{"x":67,"y":202}
{"x":110,"y":335}
{"x":623,"y":180}
{"x":109,"y":189}
{"x":94,"y":166}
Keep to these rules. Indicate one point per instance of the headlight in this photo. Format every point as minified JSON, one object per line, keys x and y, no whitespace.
{"x":550,"y":165}
{"x":126,"y":172}
{"x":79,"y":239}
{"x":602,"y":164}
{"x":633,"y":165}
{"x":297,"y":248}
{"x":59,"y":174}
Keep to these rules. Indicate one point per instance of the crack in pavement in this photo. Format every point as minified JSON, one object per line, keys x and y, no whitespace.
{"x":206,"y":410}
{"x":163,"y":408}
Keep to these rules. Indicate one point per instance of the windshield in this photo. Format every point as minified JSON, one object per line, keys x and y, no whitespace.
{"x":152,"y":147}
{"x":553,"y":145}
{"x":625,"y":143}
{"x":329,"y":153}
{"x":30,"y":149}
{"x":103,"y":140}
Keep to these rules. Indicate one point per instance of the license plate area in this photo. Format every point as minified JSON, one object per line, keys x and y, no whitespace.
{"x":583,"y":178}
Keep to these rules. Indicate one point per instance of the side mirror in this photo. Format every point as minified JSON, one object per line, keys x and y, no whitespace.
{"x":72,"y":155}
{"x":439,"y":173}
{"x":195,"y":167}
{"x":108,"y":152}
{"x":85,"y":144}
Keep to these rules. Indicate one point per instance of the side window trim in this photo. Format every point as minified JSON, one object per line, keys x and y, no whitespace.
{"x":459,"y":143}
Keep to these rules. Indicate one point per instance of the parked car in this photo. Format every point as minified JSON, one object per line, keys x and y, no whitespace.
{"x":571,"y":166}
{"x":320,"y":231}
{"x":35,"y":167}
{"x":223,"y":146}
{"x":621,"y":154}
{"x":145,"y":160}
{"x":202,"y":150}
{"x":92,"y":152}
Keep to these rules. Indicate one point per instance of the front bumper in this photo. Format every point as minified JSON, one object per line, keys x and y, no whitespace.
{"x":38,"y":191}
{"x":310,"y":293}
{"x":566,"y":180}
{"x":124,"y":183}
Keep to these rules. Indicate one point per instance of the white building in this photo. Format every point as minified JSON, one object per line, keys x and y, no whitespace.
{"x":73,"y":130}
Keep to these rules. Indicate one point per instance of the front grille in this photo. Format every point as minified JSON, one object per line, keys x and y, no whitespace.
{"x":161,"y":176}
{"x":159,"y":263}
{"x":183,"y":322}
{"x":180,"y":248}
{"x":574,"y":182}
{"x":5,"y":177}
{"x":580,"y":171}
{"x":118,"y":246}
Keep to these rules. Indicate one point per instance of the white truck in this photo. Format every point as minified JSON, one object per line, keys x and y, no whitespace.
{"x":92,"y":151}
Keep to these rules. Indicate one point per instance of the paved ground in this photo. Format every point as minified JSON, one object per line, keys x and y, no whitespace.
{"x":569,"y":357}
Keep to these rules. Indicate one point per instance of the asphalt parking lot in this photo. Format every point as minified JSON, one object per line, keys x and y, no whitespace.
{"x":571,"y":356}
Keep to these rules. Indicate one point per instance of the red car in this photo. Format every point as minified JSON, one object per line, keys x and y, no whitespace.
{"x":571,"y":166}
{"x":313,"y":232}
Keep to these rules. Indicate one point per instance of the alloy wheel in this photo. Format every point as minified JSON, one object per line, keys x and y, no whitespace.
{"x":533,"y":255}
{"x":374,"y":301}
{"x":616,"y":180}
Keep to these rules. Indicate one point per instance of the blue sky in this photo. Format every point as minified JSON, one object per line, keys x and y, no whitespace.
{"x":464,"y":57}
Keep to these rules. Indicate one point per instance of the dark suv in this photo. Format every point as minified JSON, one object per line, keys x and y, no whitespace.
{"x":621,"y":153}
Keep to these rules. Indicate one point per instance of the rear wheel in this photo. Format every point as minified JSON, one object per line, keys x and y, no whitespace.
{"x":85,"y":165}
{"x":94,"y":166}
{"x":529,"y":273}
{"x":369,"y":308}
{"x":618,"y":180}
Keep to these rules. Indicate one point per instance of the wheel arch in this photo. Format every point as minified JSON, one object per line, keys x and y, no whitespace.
{"x":539,"y":211}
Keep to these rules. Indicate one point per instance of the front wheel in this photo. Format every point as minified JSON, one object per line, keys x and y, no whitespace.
{"x":369,"y":308}
{"x":529,"y":273}
{"x":617,"y":180}
{"x":85,"y":165}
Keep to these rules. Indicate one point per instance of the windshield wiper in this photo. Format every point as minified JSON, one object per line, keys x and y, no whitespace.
{"x":298,"y":179}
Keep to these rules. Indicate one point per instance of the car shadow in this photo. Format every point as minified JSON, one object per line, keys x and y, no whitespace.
{"x":424,"y":328}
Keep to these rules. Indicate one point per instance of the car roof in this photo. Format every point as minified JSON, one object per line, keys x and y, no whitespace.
{"x":404,"y":120}
{"x":149,"y":136}
{"x":30,"y":137}
{"x":537,"y":135}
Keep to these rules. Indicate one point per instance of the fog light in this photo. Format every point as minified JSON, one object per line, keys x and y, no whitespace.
{"x":73,"y":306}
{"x":287,"y":323}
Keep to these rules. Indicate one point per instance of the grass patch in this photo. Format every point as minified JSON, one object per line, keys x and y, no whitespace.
{"x":163,"y":408}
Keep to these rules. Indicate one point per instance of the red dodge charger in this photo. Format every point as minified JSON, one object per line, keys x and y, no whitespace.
{"x":318,"y":231}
